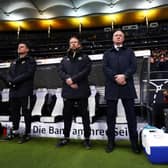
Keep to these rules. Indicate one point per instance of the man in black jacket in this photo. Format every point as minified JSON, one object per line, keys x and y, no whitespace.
{"x":159,"y":113}
{"x":74,"y":70}
{"x":20,"y":80}
{"x":119,"y":65}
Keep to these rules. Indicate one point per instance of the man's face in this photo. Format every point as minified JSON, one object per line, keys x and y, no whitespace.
{"x":22,"y":49}
{"x":118,"y":37}
{"x":74,"y":43}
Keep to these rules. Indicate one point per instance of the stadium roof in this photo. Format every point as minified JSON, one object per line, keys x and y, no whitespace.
{"x":60,"y":10}
{"x":47,"y":9}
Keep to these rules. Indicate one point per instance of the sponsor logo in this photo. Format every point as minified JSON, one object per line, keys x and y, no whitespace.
{"x":98,"y":130}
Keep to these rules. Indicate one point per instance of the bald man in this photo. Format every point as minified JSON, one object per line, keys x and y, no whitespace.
{"x":119,"y":66}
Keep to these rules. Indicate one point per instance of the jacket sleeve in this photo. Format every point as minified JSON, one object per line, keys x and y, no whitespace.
{"x":132,"y":66}
{"x":108,"y":71}
{"x":9,"y":77}
{"x":85,"y":71}
{"x":61,"y":71}
{"x":3,"y":78}
{"x":26,"y":75}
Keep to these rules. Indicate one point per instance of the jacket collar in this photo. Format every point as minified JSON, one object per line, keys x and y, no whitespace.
{"x":71,"y":55}
{"x":22,"y":59}
{"x":114,"y":49}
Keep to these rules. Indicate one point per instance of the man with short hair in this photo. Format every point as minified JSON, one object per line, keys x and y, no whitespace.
{"x":20,"y":80}
{"x":119,"y":65}
{"x":74,"y":70}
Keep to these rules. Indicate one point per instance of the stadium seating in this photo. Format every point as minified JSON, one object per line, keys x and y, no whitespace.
{"x":94,"y":41}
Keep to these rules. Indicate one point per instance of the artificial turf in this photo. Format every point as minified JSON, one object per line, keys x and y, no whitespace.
{"x":42,"y":153}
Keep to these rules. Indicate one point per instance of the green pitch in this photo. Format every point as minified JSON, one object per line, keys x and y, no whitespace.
{"x":42,"y":153}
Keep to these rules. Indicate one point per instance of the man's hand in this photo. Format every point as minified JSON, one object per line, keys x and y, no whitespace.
{"x":120,"y":79}
{"x":74,"y":86}
{"x":69,"y":81}
{"x":71,"y":84}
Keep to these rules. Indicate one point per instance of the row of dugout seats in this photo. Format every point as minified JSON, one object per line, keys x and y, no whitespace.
{"x":46,"y":105}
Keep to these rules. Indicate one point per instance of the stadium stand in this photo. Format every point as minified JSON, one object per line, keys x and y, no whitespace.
{"x":94,"y":41}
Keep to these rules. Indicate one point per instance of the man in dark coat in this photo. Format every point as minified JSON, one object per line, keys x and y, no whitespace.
{"x":74,"y":70}
{"x":119,"y":65}
{"x":159,"y":113}
{"x":20,"y":80}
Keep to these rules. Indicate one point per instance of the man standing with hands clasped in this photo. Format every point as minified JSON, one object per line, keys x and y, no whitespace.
{"x":119,"y":65}
{"x":20,"y":79}
{"x":74,"y":70}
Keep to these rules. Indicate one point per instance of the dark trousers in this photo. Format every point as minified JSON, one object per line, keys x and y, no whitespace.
{"x":130,"y":116}
{"x":18,"y":105}
{"x":68,"y":114}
